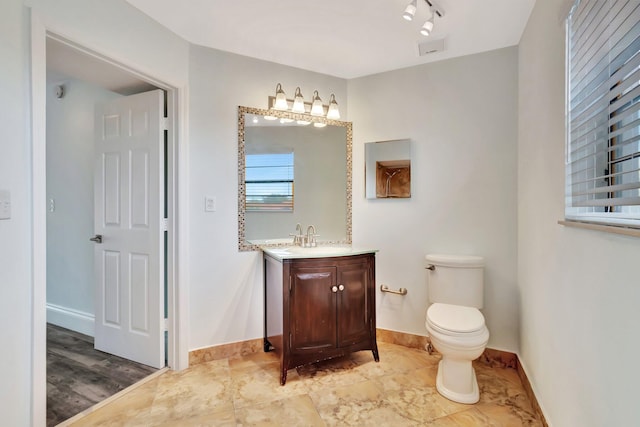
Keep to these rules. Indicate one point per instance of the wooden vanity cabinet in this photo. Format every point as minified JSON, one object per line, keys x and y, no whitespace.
{"x":319,"y":308}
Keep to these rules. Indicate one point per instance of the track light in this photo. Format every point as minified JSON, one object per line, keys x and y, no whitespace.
{"x":281,"y":99}
{"x":410,"y":10}
{"x":427,"y":27}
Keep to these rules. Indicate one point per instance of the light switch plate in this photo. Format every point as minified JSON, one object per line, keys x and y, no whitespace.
{"x":209,"y":204}
{"x":5,"y":204}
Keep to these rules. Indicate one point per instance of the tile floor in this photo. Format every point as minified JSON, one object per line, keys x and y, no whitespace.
{"x":350,"y":391}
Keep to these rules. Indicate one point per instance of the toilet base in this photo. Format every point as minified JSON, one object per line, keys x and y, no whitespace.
{"x":468,"y":398}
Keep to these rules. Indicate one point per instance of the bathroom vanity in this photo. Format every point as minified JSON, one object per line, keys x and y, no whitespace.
{"x":319,"y":304}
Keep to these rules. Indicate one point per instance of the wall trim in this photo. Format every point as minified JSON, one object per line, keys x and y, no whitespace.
{"x":69,"y":318}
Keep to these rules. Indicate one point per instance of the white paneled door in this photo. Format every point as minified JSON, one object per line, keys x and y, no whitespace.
{"x":129,"y":238}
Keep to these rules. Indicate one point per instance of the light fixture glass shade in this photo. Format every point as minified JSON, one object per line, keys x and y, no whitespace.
{"x":333,"y":112}
{"x":319,"y":125}
{"x":410,"y":11}
{"x":298,"y":102}
{"x":427,"y":27}
{"x":281,"y":99}
{"x":316,"y":107}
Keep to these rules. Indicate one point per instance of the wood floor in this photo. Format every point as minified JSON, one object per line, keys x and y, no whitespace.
{"x":78,"y":376}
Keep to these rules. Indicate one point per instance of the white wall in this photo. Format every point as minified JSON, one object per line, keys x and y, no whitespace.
{"x":15,"y":233}
{"x":226,"y":285}
{"x":579,"y":289}
{"x":460,"y":115}
{"x":70,"y":173}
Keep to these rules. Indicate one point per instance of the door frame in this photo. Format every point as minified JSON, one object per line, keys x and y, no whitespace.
{"x":177,"y":205}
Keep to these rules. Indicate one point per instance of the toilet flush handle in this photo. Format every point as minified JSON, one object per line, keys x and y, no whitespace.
{"x":431,"y":267}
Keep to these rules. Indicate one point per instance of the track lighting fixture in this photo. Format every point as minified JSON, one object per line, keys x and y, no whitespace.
{"x":427,"y":27}
{"x":410,"y":10}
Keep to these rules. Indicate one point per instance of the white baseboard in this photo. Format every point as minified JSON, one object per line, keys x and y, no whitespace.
{"x":69,"y":318}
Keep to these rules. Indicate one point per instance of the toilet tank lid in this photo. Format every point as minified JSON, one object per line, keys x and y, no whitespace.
{"x":455,"y":260}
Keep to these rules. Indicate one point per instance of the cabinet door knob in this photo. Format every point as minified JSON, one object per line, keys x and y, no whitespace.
{"x":341,"y":287}
{"x":334,"y":289}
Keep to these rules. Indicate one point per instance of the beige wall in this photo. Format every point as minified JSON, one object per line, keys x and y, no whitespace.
{"x":579,"y":289}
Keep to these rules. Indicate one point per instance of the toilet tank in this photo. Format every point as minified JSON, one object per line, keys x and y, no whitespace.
{"x":456,"y":279}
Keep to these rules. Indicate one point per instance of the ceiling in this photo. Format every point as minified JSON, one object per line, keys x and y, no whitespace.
{"x":342,"y":38}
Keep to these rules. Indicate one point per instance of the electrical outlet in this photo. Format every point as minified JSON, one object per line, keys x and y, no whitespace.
{"x":209,"y":204}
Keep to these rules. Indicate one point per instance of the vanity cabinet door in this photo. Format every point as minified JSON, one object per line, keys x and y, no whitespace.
{"x":352,"y":300}
{"x":313,"y":309}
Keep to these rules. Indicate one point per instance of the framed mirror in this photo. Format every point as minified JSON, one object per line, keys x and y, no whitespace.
{"x":292,"y":169}
{"x":388,"y":169}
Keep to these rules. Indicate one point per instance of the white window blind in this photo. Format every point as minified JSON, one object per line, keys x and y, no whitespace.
{"x":269,"y":182}
{"x":603,"y":112}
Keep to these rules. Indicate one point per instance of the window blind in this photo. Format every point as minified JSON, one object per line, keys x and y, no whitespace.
{"x":269,"y":182}
{"x":603,"y":112}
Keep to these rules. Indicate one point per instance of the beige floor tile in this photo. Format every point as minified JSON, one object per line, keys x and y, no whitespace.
{"x":349,"y":391}
{"x":361,"y":404}
{"x":468,"y":418}
{"x":293,"y":411}
{"x":509,"y":416}
{"x":203,"y":390}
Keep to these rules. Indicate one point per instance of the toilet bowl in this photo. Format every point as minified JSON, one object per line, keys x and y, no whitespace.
{"x":460,"y":335}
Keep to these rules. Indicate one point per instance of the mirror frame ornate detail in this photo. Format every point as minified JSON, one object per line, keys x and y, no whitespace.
{"x":243,"y":245}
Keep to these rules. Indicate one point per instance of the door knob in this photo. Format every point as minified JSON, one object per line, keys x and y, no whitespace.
{"x":341,"y":287}
{"x":334,"y":289}
{"x":97,"y":238}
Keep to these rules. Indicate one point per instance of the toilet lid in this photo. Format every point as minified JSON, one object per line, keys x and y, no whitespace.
{"x":455,"y":318}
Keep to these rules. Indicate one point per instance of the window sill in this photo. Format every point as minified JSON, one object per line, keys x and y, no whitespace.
{"x":626,"y":231}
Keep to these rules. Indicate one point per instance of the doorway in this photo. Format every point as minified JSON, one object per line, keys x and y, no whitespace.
{"x":78,"y":314}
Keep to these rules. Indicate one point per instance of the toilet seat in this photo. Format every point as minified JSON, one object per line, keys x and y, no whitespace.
{"x":455,"y":320}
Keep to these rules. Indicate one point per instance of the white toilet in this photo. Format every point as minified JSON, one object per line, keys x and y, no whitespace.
{"x":455,"y":324}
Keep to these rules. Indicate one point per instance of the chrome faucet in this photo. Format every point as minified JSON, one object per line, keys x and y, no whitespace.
{"x":311,"y":237}
{"x":298,"y":237}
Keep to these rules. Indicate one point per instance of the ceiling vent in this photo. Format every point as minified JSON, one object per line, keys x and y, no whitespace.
{"x":431,"y":46}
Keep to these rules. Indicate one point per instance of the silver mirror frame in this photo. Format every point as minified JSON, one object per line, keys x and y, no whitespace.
{"x":243,"y":245}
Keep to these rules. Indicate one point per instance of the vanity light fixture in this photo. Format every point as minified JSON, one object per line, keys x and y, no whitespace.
{"x":281,"y":99}
{"x":427,"y":27}
{"x":333,"y":112}
{"x":298,"y":102}
{"x":298,"y":105}
{"x":316,"y":106}
{"x":410,"y":10}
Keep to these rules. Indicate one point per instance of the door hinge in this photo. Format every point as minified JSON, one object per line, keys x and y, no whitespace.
{"x":164,"y":123}
{"x":165,"y":325}
{"x":165,"y":224}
